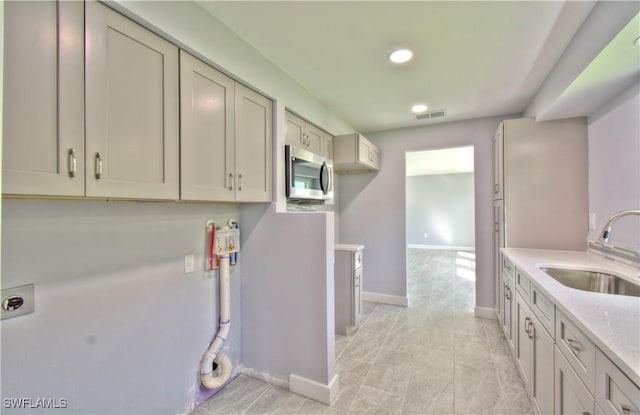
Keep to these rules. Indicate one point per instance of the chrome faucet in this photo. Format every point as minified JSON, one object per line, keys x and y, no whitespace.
{"x":606,"y":231}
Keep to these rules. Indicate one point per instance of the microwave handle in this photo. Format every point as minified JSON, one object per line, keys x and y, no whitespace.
{"x":323,"y":169}
{"x":330,"y":187}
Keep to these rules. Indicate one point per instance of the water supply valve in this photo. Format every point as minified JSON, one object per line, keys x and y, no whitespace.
{"x":223,"y":241}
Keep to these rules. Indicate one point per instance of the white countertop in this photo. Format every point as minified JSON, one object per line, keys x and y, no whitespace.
{"x":349,"y":247}
{"x":611,"y":321}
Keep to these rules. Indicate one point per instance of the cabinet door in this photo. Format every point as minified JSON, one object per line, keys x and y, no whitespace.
{"x":357,"y":296}
{"x":328,"y":146}
{"x":364,"y":150}
{"x":498,"y":242}
{"x":294,"y":131}
{"x":498,"y":163}
{"x":254,"y":150}
{"x":131,"y":109}
{"x":43,"y":132}
{"x":542,"y":358}
{"x":206,"y":132}
{"x":571,"y":396}
{"x":523,"y":337}
{"x":508,"y":301}
{"x":314,"y":136}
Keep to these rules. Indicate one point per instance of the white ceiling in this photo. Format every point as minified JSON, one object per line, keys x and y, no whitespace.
{"x":474,"y":59}
{"x":443,"y":161}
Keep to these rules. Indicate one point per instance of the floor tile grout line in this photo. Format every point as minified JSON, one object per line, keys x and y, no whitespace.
{"x":258,"y":398}
{"x":495,"y":366}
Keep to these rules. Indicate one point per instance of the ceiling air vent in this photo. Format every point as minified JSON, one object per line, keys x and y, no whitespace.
{"x":431,"y":114}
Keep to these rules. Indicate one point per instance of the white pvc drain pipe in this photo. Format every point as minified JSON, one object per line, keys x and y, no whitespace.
{"x":212,"y":379}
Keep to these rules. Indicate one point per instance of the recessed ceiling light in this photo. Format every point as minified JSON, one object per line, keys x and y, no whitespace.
{"x":418,"y":108}
{"x":400,"y":56}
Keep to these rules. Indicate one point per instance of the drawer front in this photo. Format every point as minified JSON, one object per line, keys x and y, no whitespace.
{"x":508,"y":267}
{"x":615,"y":392}
{"x":544,"y":309}
{"x":578,"y":349}
{"x":523,"y":285}
{"x":357,"y":259}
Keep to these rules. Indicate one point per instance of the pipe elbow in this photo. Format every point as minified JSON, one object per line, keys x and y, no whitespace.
{"x":217,"y":379}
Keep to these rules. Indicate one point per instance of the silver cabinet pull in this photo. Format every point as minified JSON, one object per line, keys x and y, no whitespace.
{"x":98,"y":166}
{"x":497,"y":226}
{"x":527,"y":320}
{"x":72,"y":162}
{"x":575,"y":345}
{"x":507,"y":266}
{"x":495,"y":188}
{"x":530,"y":329}
{"x":625,"y":408}
{"x":230,"y":181}
{"x":507,"y":292}
{"x":240,"y":182}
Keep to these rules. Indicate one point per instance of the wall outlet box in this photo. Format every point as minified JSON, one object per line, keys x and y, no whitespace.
{"x":189,"y":264}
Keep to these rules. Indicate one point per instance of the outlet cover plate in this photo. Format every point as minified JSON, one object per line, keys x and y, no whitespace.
{"x":189,"y":264}
{"x":26,"y":293}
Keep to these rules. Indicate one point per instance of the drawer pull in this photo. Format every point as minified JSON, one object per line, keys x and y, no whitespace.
{"x":625,"y":408}
{"x":72,"y":163}
{"x":528,"y":323}
{"x":507,"y":292}
{"x":575,"y":345}
{"x":98,"y":167}
{"x":507,"y":267}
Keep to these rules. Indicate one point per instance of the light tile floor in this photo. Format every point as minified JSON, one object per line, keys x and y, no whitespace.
{"x":432,"y":357}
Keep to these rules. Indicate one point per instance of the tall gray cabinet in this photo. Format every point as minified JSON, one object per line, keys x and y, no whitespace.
{"x":540,"y":186}
{"x":540,"y":202}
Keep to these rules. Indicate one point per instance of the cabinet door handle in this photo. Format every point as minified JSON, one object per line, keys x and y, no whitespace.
{"x":240,"y":182}
{"x":72,"y":162}
{"x":98,"y":166}
{"x":530,"y":329}
{"x":497,"y":226}
{"x":495,"y":188}
{"x":507,"y":267}
{"x":230,"y":181}
{"x":507,"y":292}
{"x":575,"y":345}
{"x":625,"y":408}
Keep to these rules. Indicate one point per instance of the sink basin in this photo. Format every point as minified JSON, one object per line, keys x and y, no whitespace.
{"x":598,"y":282}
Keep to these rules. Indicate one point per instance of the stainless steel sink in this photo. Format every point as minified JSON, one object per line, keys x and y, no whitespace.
{"x":598,"y":282}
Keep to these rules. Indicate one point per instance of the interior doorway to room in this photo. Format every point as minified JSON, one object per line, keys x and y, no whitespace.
{"x":440,"y":229}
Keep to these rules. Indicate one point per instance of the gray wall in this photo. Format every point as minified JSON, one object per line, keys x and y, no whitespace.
{"x":440,"y":205}
{"x":287,"y":293}
{"x":372,"y":206}
{"x":118,"y":327}
{"x":614,"y":167}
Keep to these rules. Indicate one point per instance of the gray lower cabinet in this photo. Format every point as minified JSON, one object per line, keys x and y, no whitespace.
{"x":131,"y":109}
{"x":347,"y":287}
{"x":571,"y":395}
{"x":507,"y":297}
{"x":615,"y":392}
{"x":534,"y":356}
{"x":43,"y":130}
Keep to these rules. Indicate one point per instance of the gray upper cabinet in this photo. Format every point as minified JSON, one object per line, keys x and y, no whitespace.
{"x":131,"y":109}
{"x":354,"y":153}
{"x":253,"y":145}
{"x":302,"y":134}
{"x":206,"y":132}
{"x":225,"y":135}
{"x":43,"y":132}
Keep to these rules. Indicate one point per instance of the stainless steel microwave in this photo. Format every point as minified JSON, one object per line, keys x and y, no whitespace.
{"x":309,"y":176}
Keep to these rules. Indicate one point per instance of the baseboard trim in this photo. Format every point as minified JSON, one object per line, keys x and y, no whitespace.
{"x":314,"y":390}
{"x":443,"y":247}
{"x":263,"y":377}
{"x":485,"y":312}
{"x":385,"y":298}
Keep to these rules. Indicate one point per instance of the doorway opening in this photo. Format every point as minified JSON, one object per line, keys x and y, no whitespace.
{"x":440,"y":229}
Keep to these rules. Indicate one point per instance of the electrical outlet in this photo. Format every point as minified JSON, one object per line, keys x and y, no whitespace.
{"x":592,"y":221}
{"x":189,"y":264}
{"x":17,"y":301}
{"x":425,"y":235}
